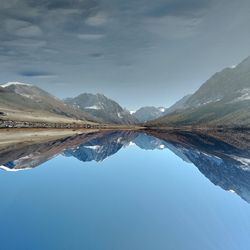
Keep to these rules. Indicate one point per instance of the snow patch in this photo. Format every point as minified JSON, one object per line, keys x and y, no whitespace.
{"x":93,"y":107}
{"x":119,"y":140}
{"x":119,"y":115}
{"x":244,"y":161}
{"x":132,"y":112}
{"x":13,"y":170}
{"x":245,"y":95}
{"x":95,"y":147}
{"x":14,"y":83}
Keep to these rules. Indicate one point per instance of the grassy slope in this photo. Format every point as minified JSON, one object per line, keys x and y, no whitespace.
{"x":20,"y":108}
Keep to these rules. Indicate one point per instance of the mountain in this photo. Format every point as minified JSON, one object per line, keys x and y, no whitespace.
{"x":181,"y":104}
{"x":223,"y":100}
{"x":102,"y":107}
{"x":145,"y":114}
{"x":20,"y":101}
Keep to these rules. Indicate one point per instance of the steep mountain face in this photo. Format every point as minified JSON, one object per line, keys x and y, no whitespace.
{"x":23,"y":98}
{"x":179,"y":105}
{"x":229,"y":85}
{"x":145,"y":114}
{"x":102,"y":107}
{"x":224,"y":100}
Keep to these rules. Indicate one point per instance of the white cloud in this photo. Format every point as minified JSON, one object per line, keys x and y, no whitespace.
{"x":25,"y":43}
{"x":99,"y":19}
{"x":90,"y":36}
{"x":29,"y":31}
{"x":22,"y":28}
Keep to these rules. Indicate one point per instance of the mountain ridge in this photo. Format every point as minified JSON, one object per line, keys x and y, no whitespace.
{"x":223,"y":100}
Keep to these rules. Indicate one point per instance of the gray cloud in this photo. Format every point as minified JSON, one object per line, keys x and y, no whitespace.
{"x":99,"y":19}
{"x":163,"y":48}
{"x":22,"y":28}
{"x":173,"y":27}
{"x":90,"y":36}
{"x":188,"y":8}
{"x":96,"y":55}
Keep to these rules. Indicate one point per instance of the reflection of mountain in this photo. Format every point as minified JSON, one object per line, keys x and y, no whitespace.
{"x":148,"y":142}
{"x":223,"y":157}
{"x":224,"y":164}
{"x":101,"y":147}
{"x":22,"y":156}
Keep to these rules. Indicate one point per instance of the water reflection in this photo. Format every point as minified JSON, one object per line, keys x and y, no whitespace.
{"x":223,"y":157}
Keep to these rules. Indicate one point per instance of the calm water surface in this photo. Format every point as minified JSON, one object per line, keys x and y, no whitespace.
{"x":126,"y":191}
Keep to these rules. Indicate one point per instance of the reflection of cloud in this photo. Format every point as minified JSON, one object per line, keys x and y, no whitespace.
{"x":90,"y":36}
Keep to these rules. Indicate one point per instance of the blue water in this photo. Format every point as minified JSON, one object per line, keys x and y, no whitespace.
{"x":133,"y":200}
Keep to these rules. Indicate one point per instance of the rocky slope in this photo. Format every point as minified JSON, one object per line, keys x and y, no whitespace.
{"x":224,"y":100}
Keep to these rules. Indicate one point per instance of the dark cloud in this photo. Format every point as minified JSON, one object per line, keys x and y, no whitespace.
{"x":96,"y":55}
{"x":188,"y":8}
{"x":36,"y":74}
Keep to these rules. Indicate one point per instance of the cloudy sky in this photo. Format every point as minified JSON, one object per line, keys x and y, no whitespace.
{"x":138,"y":52}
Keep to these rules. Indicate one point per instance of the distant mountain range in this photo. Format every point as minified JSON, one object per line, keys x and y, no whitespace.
{"x":145,"y":114}
{"x":223,"y":100}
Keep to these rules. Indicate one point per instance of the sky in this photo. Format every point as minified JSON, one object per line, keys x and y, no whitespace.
{"x":137,"y":52}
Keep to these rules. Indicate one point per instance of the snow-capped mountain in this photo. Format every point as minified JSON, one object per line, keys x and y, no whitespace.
{"x":28,"y":100}
{"x":145,"y":114}
{"x":102,"y":107}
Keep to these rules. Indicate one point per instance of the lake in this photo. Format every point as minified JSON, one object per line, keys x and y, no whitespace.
{"x":125,"y":190}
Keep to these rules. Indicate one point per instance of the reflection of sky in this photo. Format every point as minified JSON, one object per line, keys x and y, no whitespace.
{"x":133,"y":200}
